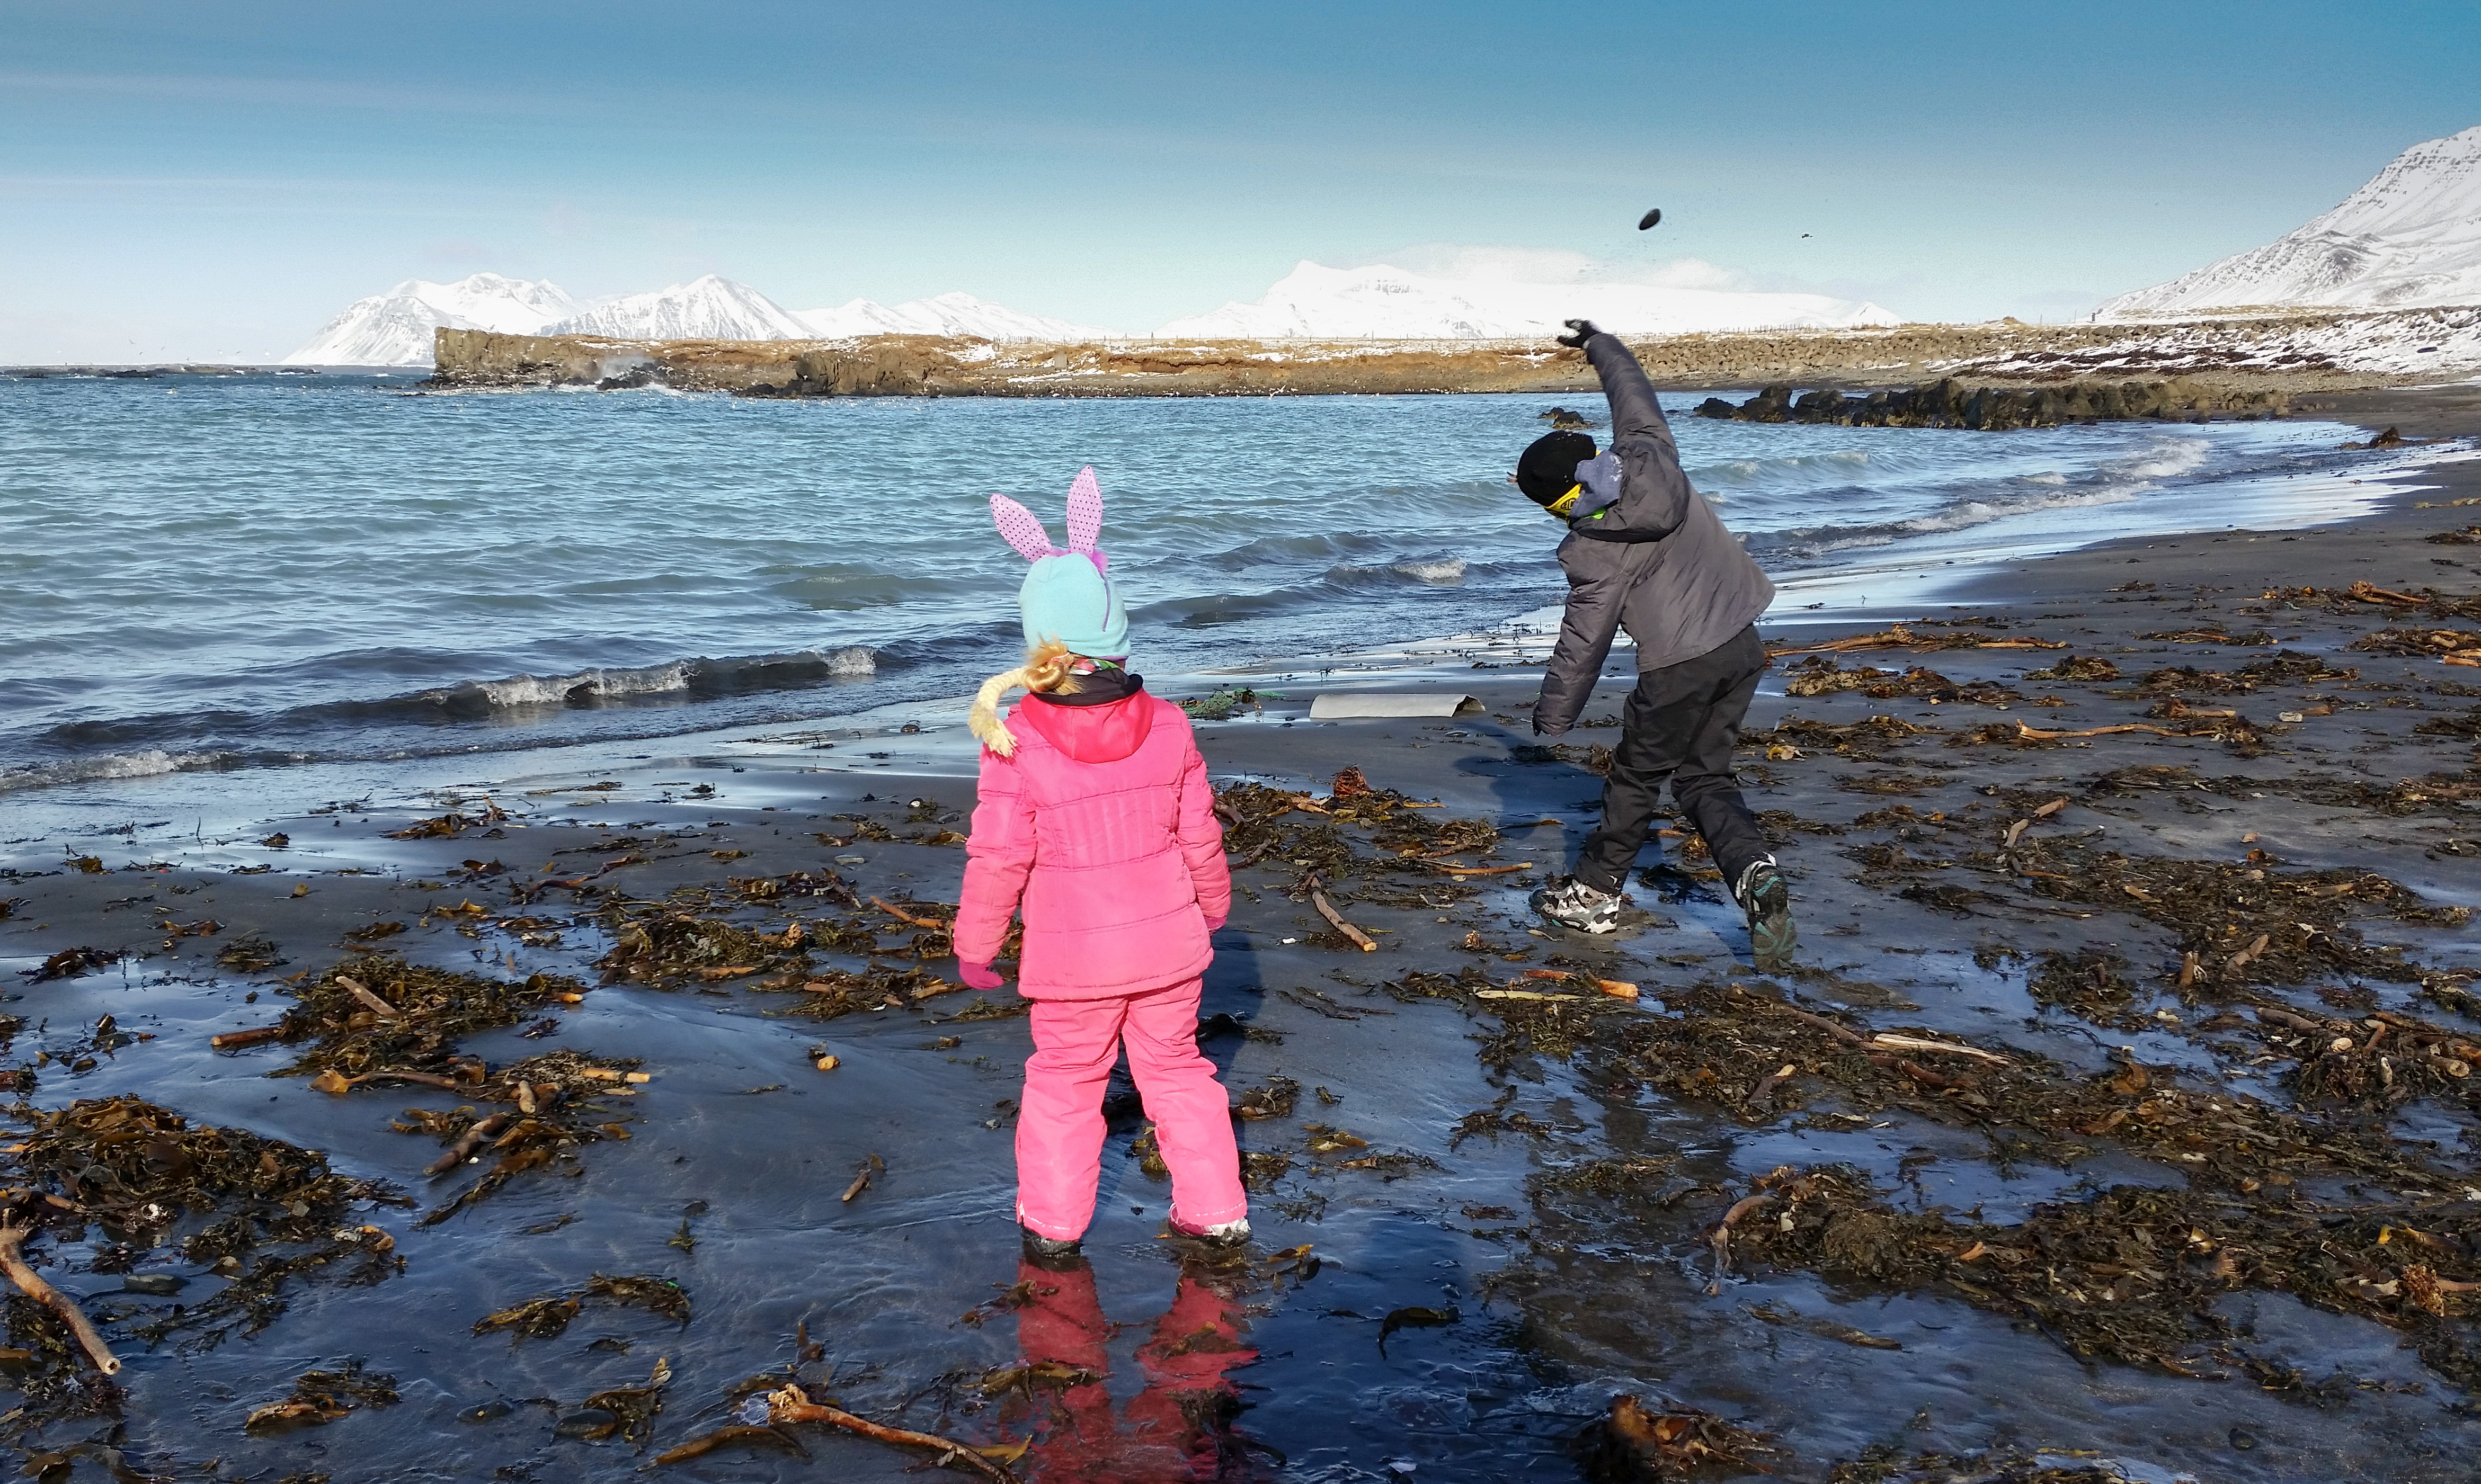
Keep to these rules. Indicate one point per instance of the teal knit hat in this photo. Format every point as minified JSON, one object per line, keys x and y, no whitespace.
{"x":1068,"y":595}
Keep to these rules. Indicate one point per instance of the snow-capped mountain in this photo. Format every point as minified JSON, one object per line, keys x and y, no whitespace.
{"x":2409,"y":239}
{"x":394,"y":328}
{"x":1388,"y":303}
{"x":708,"y":308}
{"x":944,"y":314}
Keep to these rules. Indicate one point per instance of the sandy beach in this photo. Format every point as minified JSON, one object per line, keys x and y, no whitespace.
{"x":2120,"y":1114}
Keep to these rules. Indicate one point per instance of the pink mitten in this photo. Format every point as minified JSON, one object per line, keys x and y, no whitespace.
{"x":978,"y":976}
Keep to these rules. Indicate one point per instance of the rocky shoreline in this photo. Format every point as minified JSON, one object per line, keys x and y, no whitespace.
{"x":2280,"y":354}
{"x":1951,"y":403}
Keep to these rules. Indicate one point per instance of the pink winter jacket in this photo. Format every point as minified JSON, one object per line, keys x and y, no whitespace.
{"x":1103,"y":823}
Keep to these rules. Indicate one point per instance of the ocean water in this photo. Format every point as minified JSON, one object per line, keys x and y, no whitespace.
{"x":207,"y":573}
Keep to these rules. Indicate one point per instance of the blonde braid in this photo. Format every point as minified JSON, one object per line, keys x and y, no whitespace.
{"x":1045,"y":673}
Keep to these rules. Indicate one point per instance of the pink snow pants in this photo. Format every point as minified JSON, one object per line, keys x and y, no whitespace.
{"x":1059,"y":1123}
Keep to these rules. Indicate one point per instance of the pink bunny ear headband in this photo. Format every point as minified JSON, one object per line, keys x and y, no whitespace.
{"x":1084,"y":523}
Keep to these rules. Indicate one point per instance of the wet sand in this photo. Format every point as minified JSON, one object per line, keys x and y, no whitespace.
{"x":1553,"y":1171}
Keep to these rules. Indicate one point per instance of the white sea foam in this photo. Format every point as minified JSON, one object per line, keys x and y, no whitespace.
{"x":2161,"y":459}
{"x":152,"y":762}
{"x":1446,"y":572}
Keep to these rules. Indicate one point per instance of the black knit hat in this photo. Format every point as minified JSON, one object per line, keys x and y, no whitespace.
{"x":1549,"y":468}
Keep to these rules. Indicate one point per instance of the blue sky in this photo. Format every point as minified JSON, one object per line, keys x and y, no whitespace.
{"x":187,"y":179}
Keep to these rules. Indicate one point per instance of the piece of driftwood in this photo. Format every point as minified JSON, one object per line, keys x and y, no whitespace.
{"x":32,"y":1285}
{"x":369,"y":1002}
{"x":1913,"y":1043}
{"x":466,"y":1143}
{"x":792,"y":1405}
{"x":1617,"y":989}
{"x":1722,"y":1238}
{"x":904,"y":917}
{"x":234,"y":1040}
{"x":1327,"y":909}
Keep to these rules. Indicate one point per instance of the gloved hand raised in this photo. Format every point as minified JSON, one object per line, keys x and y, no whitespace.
{"x":1579,"y":332}
{"x":981,"y":976}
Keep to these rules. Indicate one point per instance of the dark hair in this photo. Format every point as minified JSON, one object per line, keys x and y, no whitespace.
{"x":1549,"y":468}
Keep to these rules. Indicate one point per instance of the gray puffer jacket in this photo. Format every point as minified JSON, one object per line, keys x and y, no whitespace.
{"x":1648,"y":556}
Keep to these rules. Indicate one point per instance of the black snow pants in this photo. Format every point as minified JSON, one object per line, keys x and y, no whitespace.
{"x":1681,"y":724}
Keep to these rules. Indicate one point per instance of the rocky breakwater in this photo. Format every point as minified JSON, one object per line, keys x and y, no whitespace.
{"x":1951,"y":403}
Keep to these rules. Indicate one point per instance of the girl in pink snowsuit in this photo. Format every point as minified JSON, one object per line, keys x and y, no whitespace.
{"x":1095,"y":815}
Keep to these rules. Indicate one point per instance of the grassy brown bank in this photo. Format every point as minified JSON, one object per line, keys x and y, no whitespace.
{"x":2276,"y":353}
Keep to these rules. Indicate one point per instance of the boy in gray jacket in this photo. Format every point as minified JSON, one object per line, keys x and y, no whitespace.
{"x":1645,"y":553}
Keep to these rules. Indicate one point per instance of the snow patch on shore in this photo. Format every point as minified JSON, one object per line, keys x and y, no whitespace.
{"x":1316,"y":302}
{"x":2445,"y":343}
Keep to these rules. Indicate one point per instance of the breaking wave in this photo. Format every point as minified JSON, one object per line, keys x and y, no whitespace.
{"x":151,"y":745}
{"x":152,"y":762}
{"x":2114,"y":481}
{"x":680,"y":677}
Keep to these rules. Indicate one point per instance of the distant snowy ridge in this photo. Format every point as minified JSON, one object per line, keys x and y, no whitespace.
{"x":945,"y":314}
{"x":394,"y":328}
{"x":1315,"y":302}
{"x":2411,"y":238}
{"x":708,"y":308}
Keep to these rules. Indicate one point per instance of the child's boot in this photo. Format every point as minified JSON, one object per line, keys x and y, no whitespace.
{"x":1052,"y":1253}
{"x":1767,"y":900}
{"x":1223,"y":1234}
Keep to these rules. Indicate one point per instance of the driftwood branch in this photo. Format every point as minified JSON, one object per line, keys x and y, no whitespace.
{"x":2036,"y":734}
{"x":32,"y":1285}
{"x":1722,"y":1237}
{"x":902,"y":916}
{"x":370,"y":1002}
{"x":1839,"y":1032}
{"x":792,"y":1405}
{"x":1913,"y":1043}
{"x":464,"y":1149}
{"x":737,"y":1435}
{"x":1767,"y":1084}
{"x":1617,"y":989}
{"x":234,"y":1040}
{"x":1327,"y":909}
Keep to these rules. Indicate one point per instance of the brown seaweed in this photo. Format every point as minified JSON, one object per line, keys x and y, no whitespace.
{"x":376,"y":1013}
{"x":2130,"y":1274}
{"x":321,"y":1396}
{"x":544,"y":1318}
{"x":1634,"y":1442}
{"x":669,"y":949}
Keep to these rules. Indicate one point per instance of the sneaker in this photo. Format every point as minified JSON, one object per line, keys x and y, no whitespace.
{"x":1046,"y":1251}
{"x":1767,"y":900}
{"x":1572,"y":903}
{"x":1223,"y":1234}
